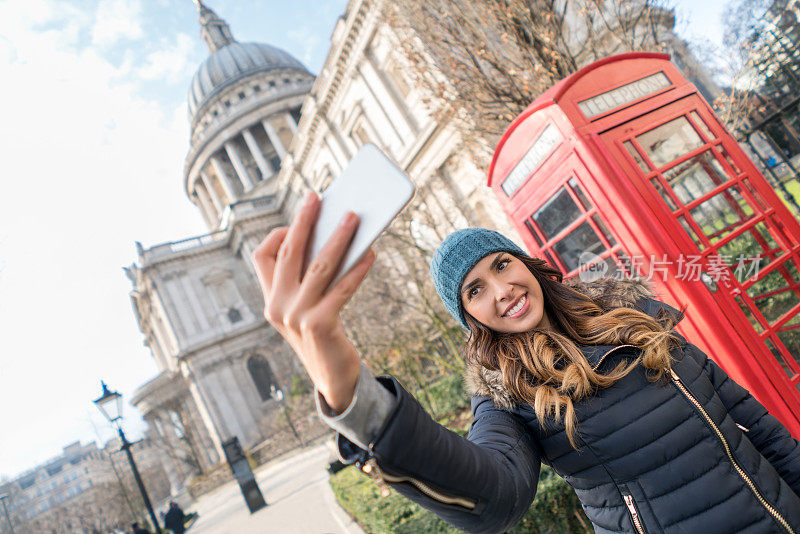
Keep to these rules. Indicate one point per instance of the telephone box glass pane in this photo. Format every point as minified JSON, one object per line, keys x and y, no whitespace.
{"x":778,"y":356}
{"x":691,"y":232}
{"x":747,"y":313}
{"x":721,"y":214}
{"x":533,"y":232}
{"x":573,"y":183}
{"x":791,"y":340}
{"x":670,"y":141}
{"x":604,"y":230}
{"x":664,"y":194}
{"x":636,"y":156}
{"x":556,"y":214}
{"x":774,"y":295}
{"x":695,"y":177}
{"x":703,"y":126}
{"x":580,"y":241}
{"x":752,"y":245}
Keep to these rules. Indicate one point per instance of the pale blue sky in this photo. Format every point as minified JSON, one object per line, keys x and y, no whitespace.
{"x":93,"y":140}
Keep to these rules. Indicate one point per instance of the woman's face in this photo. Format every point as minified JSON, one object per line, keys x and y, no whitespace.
{"x":502,"y":294}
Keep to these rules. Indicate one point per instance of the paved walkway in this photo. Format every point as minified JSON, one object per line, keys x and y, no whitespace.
{"x":299,"y":497}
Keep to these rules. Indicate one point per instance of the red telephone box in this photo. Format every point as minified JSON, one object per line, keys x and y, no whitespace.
{"x":623,"y":168}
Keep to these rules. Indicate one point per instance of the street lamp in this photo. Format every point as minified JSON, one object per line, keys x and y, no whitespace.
{"x":3,"y":497}
{"x":110,"y":405}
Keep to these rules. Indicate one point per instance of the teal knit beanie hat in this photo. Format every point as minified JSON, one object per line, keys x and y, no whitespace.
{"x":456,"y":256}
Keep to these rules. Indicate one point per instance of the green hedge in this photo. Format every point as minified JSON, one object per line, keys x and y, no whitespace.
{"x":555,"y":510}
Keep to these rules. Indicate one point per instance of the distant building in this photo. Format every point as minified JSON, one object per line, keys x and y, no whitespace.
{"x":60,"y":479}
{"x":69,"y":481}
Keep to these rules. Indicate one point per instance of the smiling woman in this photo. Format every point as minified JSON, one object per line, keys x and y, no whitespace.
{"x":590,"y":378}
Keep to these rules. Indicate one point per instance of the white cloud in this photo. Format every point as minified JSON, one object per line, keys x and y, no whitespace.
{"x":90,"y":166}
{"x":116,"y":20}
{"x":171,"y":62}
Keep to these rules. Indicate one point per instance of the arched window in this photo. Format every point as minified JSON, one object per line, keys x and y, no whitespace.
{"x":262,"y":375}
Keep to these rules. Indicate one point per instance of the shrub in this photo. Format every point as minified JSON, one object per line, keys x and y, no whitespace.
{"x":555,"y":509}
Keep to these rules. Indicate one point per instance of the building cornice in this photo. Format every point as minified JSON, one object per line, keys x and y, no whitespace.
{"x":240,"y":212}
{"x":327,"y":83}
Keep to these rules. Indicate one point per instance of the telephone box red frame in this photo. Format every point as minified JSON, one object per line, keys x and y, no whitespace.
{"x":636,"y":155}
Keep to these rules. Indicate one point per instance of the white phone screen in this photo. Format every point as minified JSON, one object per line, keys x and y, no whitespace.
{"x":373,"y":188}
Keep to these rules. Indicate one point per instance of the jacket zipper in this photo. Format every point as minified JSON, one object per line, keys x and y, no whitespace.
{"x":725,"y":446}
{"x":637,"y":520}
{"x":603,"y":357}
{"x":382,"y":477}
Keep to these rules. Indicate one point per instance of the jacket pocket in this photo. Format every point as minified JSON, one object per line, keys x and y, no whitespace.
{"x":639,"y":509}
{"x":633,"y":510}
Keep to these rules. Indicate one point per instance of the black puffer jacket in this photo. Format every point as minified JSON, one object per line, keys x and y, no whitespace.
{"x":696,"y":454}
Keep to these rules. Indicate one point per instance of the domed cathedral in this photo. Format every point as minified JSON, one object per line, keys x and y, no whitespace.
{"x":197,"y":300}
{"x":244,"y":105}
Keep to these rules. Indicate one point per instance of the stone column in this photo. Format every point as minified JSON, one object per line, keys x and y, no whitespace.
{"x":238,"y":164}
{"x":244,"y":413}
{"x":224,"y":178}
{"x":290,"y":121}
{"x":273,"y":138}
{"x":207,"y":205}
{"x":208,"y":417}
{"x":194,"y":303}
{"x":211,"y":192}
{"x":266,"y":169}
{"x":231,"y":424}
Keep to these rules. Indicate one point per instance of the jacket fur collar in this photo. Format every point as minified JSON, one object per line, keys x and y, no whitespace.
{"x":608,"y":292}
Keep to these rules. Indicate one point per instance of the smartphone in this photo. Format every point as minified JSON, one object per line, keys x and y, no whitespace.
{"x":372,"y":187}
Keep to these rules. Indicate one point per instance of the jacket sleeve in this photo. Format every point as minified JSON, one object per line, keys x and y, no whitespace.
{"x":768,"y":435}
{"x":482,"y":483}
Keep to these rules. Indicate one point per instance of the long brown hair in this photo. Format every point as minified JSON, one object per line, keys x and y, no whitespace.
{"x":546,"y":369}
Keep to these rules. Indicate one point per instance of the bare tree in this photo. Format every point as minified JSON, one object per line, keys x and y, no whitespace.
{"x":493,"y":58}
{"x":183,"y":447}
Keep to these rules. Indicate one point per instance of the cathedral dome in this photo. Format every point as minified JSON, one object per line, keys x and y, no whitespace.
{"x":232,"y":62}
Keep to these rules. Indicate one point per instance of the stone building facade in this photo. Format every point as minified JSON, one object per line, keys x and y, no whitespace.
{"x":264,"y":131}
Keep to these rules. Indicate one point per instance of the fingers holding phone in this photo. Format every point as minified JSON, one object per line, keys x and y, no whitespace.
{"x":299,"y":307}
{"x":333,"y":236}
{"x":265,"y":257}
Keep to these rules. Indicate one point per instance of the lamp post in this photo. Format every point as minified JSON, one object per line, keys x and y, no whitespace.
{"x":110,"y":405}
{"x":277,"y":395}
{"x":3,"y":497}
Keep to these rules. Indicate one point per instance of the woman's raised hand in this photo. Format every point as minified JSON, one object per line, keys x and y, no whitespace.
{"x":300,"y":307}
